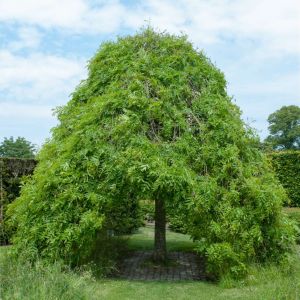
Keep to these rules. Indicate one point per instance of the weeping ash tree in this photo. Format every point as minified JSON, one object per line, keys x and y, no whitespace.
{"x":153,"y":121}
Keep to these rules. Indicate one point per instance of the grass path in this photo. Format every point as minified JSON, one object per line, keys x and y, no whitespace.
{"x":19,"y":281}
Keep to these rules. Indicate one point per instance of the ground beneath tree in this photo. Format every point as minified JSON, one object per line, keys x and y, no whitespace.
{"x":180,"y":266}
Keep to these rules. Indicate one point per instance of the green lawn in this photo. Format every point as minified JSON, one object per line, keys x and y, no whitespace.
{"x":144,"y":240}
{"x":21,"y":281}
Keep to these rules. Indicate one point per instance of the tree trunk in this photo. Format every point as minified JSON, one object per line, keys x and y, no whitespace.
{"x":160,"y":249}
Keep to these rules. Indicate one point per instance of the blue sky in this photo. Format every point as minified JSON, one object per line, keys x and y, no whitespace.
{"x":45,"y":46}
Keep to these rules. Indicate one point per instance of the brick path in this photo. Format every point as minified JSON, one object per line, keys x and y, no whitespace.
{"x":183,"y":266}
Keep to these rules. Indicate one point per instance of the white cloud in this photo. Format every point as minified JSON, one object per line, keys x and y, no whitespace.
{"x":74,"y":15}
{"x":201,"y":20}
{"x":13,"y":110}
{"x":38,"y":78}
{"x":276,"y":24}
{"x":284,"y":84}
{"x":46,"y":13}
{"x":270,"y":29}
{"x":28,"y":37}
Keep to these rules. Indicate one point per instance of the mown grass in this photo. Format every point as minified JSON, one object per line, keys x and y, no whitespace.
{"x":20,"y":280}
{"x":143,"y":239}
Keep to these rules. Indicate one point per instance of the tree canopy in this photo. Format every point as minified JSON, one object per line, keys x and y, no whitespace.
{"x":285,"y":128}
{"x":19,"y":148}
{"x":153,"y":121}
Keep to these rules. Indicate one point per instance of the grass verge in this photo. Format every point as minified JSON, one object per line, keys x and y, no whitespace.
{"x":20,"y":280}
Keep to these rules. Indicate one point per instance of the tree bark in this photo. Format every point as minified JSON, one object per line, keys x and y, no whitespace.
{"x":160,"y":248}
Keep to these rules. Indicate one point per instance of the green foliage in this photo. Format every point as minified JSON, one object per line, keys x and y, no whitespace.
{"x":178,"y":219}
{"x":294,"y":214}
{"x":287,"y":168}
{"x":20,"y":148}
{"x":176,"y":224}
{"x":284,"y":128}
{"x":147,"y":208}
{"x":153,"y":121}
{"x":12,"y":171}
{"x":105,"y":256}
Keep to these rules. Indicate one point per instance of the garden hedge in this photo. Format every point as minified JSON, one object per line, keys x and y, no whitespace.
{"x":287,"y":168}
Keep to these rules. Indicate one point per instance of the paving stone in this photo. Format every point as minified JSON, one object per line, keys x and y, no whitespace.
{"x":188,"y":266}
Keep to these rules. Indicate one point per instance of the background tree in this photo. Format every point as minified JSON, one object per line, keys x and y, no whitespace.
{"x":284,"y":128}
{"x":19,"y":148}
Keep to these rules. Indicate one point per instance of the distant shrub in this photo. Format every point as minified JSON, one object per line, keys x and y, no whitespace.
{"x":147,"y":208}
{"x":287,"y":167}
{"x":12,"y":170}
{"x":176,"y":224}
{"x":119,"y":225}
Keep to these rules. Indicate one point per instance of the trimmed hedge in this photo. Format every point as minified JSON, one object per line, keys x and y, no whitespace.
{"x":287,"y":167}
{"x":11,"y":172}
